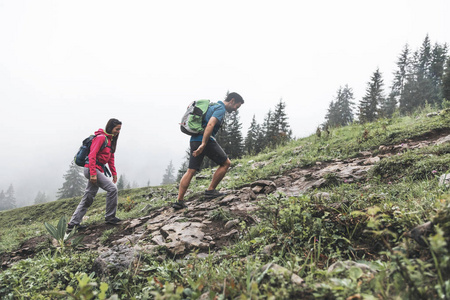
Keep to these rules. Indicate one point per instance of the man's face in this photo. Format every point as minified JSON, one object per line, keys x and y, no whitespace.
{"x":233,"y":106}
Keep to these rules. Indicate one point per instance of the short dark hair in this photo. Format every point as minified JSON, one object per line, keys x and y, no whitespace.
{"x":237,"y":98}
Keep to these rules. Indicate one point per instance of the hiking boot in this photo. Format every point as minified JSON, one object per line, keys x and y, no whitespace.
{"x":179,"y":205}
{"x":78,"y":227}
{"x":113,"y":221}
{"x":213,"y":194}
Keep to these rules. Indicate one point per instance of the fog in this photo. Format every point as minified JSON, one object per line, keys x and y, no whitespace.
{"x":68,"y":67}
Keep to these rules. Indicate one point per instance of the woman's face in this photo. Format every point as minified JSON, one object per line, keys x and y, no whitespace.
{"x":116,"y":130}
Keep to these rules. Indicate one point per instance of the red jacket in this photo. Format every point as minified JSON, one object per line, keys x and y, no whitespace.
{"x":105,"y":156}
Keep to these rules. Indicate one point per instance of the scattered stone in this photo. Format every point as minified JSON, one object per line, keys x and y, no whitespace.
{"x":158,"y":240}
{"x":297,"y":150}
{"x":444,"y":179}
{"x":259,"y":165}
{"x":272,"y":269}
{"x":443,"y":140}
{"x":371,"y":160}
{"x":432,"y":114}
{"x":146,"y":208}
{"x":114,"y":260}
{"x":263,"y":186}
{"x":322,"y":196}
{"x":268,"y":249}
{"x":420,"y":232}
{"x":227,"y":199}
{"x":129,"y":239}
{"x":348,"y":264}
{"x":231,"y":233}
{"x":231,"y":223}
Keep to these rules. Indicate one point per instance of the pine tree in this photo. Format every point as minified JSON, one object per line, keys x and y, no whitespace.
{"x":235,"y":147}
{"x":10,"y":198}
{"x":74,"y":183}
{"x":401,"y":74}
{"x":40,"y":198}
{"x":265,"y":133}
{"x":446,"y":81}
{"x":388,"y":106}
{"x":260,"y":139}
{"x":410,"y":97}
{"x":369,"y":105}
{"x":425,"y":77}
{"x":332,"y":115}
{"x":121,"y":183}
{"x":251,"y":138}
{"x":438,"y":59}
{"x":3,"y":205}
{"x":280,"y":129}
{"x":340,"y":112}
{"x":169,"y":177}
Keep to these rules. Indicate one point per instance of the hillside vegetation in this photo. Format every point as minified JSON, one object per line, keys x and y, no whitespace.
{"x":319,"y":233}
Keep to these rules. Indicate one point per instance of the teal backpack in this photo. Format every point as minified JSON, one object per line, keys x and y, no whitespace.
{"x":83,"y":153}
{"x":192,"y":121}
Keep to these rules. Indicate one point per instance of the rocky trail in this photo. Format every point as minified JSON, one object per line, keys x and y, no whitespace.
{"x":208,"y":226}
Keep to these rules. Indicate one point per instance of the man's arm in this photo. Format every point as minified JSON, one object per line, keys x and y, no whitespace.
{"x":206,"y":135}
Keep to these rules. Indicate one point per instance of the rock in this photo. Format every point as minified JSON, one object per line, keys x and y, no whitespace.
{"x":322,"y":196}
{"x":158,"y":240}
{"x":272,"y":269}
{"x":114,"y":260}
{"x":181,"y":236}
{"x":297,"y":150}
{"x":231,"y":223}
{"x":231,"y":233}
{"x":202,"y":176}
{"x":146,"y":208}
{"x":129,"y":239}
{"x":134,"y":223}
{"x":420,"y":232}
{"x":268,"y":249}
{"x":432,"y":114}
{"x":443,"y":140}
{"x":348,"y":264}
{"x":228,"y":198}
{"x":263,"y":186}
{"x":247,"y":194}
{"x":371,"y":160}
{"x":444,"y":179}
{"x":258,"y":165}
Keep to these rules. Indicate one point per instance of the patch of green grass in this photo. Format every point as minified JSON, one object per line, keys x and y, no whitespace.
{"x":106,"y":234}
{"x":364,"y":222}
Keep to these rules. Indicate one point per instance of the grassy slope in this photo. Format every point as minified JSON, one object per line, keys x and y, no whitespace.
{"x":412,"y":196}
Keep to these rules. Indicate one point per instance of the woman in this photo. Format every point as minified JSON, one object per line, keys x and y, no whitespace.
{"x":94,"y":170}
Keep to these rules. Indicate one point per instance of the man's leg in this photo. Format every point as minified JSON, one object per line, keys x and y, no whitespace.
{"x":219,"y":174}
{"x":185,"y":182}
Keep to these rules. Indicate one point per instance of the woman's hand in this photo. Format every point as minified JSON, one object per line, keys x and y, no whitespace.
{"x":114,"y":179}
{"x":93,"y":179}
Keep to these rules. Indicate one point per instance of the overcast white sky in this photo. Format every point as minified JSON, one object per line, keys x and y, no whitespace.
{"x":66,"y":67}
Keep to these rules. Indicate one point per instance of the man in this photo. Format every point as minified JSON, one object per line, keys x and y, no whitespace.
{"x":205,"y":145}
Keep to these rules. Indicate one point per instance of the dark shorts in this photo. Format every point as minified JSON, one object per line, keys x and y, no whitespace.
{"x":212,"y":150}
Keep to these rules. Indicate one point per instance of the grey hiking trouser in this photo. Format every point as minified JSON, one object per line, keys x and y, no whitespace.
{"x":89,"y":194}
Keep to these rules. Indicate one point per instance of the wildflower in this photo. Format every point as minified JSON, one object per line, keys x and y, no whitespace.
{"x":434,"y":171}
{"x":389,"y":182}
